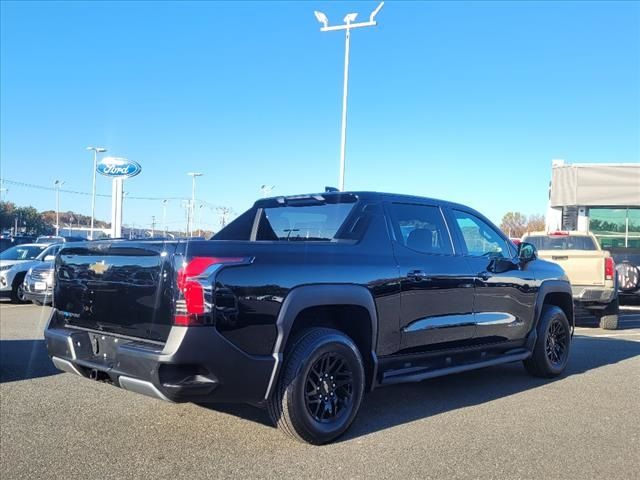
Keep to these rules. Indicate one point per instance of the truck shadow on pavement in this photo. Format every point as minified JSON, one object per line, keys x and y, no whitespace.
{"x":24,"y":359}
{"x":389,"y":407}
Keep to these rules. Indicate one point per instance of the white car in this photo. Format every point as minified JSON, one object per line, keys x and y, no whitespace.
{"x":16,"y":261}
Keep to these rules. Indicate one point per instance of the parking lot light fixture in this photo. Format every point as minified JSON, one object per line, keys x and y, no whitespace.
{"x":266,"y":189}
{"x":164,"y":215}
{"x":58,"y":184}
{"x":95,"y":150}
{"x":348,"y":25}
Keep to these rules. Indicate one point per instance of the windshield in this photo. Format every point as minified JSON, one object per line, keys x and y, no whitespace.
{"x":562,"y":242}
{"x":51,"y":250}
{"x":22,"y":252}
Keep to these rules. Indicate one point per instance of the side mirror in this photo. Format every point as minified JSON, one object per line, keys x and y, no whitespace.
{"x":49,"y":258}
{"x":526,"y":252}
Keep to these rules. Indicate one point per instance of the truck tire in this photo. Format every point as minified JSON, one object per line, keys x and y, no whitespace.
{"x":608,"y":318}
{"x":609,"y":322}
{"x":551,"y":351}
{"x":320,"y":388}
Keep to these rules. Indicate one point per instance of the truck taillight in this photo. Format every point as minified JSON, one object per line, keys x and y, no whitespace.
{"x":191,"y":307}
{"x":609,"y":268}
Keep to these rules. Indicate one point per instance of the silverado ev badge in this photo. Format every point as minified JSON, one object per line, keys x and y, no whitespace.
{"x":99,"y":267}
{"x":118,"y":167}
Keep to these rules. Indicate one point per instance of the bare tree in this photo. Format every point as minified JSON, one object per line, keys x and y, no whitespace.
{"x":536,"y":223}
{"x":516,"y":224}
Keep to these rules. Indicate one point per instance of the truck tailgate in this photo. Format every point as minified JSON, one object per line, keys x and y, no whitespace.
{"x":583,"y":267}
{"x":117,"y":287}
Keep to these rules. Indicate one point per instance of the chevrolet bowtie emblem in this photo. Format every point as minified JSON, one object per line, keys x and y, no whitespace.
{"x":99,"y":267}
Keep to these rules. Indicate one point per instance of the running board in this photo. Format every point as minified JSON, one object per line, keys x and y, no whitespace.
{"x":411,"y":375}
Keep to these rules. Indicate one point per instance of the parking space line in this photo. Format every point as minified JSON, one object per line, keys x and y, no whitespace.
{"x":612,"y":335}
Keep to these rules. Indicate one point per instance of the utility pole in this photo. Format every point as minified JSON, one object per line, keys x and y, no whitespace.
{"x":224,"y":212}
{"x":348,"y":25}
{"x":153,"y":226}
{"x":58,"y":184}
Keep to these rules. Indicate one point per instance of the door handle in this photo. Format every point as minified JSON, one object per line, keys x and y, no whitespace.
{"x":417,"y":275}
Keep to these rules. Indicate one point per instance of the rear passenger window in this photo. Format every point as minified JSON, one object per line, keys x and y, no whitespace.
{"x":421,"y":228}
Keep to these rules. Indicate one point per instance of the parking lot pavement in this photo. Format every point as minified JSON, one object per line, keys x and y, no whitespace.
{"x":493,"y":423}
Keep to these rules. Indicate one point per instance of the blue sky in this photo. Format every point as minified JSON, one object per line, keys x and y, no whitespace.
{"x":463,"y":101}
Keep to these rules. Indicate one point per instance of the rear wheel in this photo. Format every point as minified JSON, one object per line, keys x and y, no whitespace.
{"x":608,"y":318}
{"x":320,"y":388}
{"x":551,"y":351}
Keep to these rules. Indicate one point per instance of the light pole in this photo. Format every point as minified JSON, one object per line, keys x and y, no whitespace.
{"x":58,"y":184}
{"x":348,"y":25}
{"x":193,"y":176}
{"x":95,"y":150}
{"x":164,"y":216}
{"x":200,"y":219}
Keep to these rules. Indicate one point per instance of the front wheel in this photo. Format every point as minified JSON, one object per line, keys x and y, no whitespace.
{"x":17,"y":292}
{"x":320,"y":388}
{"x":551,"y":351}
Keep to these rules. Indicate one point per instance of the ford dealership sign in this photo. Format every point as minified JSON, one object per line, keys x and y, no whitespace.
{"x":116,"y":167}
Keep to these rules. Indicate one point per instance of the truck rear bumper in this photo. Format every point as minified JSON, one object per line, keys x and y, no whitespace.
{"x":589,"y":294}
{"x":195,"y":364}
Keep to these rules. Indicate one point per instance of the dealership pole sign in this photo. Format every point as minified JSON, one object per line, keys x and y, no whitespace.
{"x":117,"y":168}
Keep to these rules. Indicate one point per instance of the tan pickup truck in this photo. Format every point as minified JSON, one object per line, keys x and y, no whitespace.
{"x":590,"y":269}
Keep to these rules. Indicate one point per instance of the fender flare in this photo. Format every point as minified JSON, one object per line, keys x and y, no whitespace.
{"x":307,"y":296}
{"x":547,"y":287}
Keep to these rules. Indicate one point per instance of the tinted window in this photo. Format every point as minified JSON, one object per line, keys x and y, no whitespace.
{"x":479,"y":237}
{"x":543,"y":242}
{"x":421,"y":228}
{"x":303,"y":223}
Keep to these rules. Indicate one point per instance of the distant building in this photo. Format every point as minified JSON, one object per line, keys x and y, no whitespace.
{"x":601,"y":198}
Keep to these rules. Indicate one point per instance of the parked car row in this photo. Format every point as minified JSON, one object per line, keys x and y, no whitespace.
{"x":16,"y":262}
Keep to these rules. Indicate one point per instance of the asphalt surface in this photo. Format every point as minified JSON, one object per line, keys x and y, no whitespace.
{"x":493,"y":423}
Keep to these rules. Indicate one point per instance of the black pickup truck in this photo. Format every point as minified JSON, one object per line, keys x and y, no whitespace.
{"x":304,"y":303}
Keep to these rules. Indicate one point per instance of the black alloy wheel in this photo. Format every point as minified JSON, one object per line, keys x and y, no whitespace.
{"x":550,"y":353}
{"x":556,"y":342}
{"x":320,"y":388}
{"x":329,"y":388}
